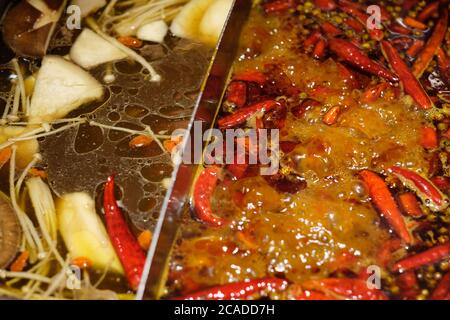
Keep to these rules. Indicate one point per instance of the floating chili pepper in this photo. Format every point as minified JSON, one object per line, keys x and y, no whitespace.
{"x":82,"y":263}
{"x":203,"y":192}
{"x":20,"y":263}
{"x":355,"y":289}
{"x":410,"y":205}
{"x":140,"y":141}
{"x":251,"y":76}
{"x":407,"y":282}
{"x":429,"y":256}
{"x":325,"y":5}
{"x":397,"y":28}
{"x":415,"y":48}
{"x":426,"y":55}
{"x":237,"y":93}
{"x":444,"y":64}
{"x":237,"y":170}
{"x":278,"y":6}
{"x":242,"y":115}
{"x":410,"y":83}
{"x":442,"y":290}
{"x":306,"y":105}
{"x":354,"y":24}
{"x":357,"y":58}
{"x":330,"y":29}
{"x":331,"y":116}
{"x":384,"y":255}
{"x":428,"y":11}
{"x":125,"y":244}
{"x":443,"y":183}
{"x":5,"y":155}
{"x":239,"y":290}
{"x":413,"y":23}
{"x":430,"y":195}
{"x":319,"y":49}
{"x":130,"y":42}
{"x":428,"y":138}
{"x":409,"y":4}
{"x":382,"y":199}
{"x":374,"y":93}
{"x":312,"y":39}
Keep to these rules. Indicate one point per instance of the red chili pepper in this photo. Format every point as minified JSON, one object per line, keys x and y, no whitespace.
{"x":330,"y":29}
{"x":444,"y":64}
{"x":306,"y":105}
{"x":239,"y":290}
{"x":376,"y":34}
{"x":429,"y":256}
{"x":415,"y":48}
{"x":354,"y":24}
{"x":125,"y":244}
{"x":381,"y":197}
{"x":384,"y":255}
{"x":428,"y":11}
{"x":407,"y":282}
{"x":428,"y":138}
{"x":312,"y":39}
{"x":442,"y":290}
{"x":357,"y":58}
{"x":374,"y":93}
{"x":426,"y":55}
{"x":244,"y":114}
{"x":325,"y":5}
{"x":237,"y":93}
{"x":409,"y":4}
{"x":355,"y":289}
{"x":410,"y":83}
{"x":203,"y":192}
{"x":251,"y":76}
{"x":400,"y":29}
{"x":413,"y":23}
{"x":410,"y":205}
{"x":237,"y":170}
{"x":443,"y":183}
{"x":332,"y":115}
{"x":278,"y":6}
{"x":430,"y":195}
{"x":319,"y":49}
{"x":349,"y":76}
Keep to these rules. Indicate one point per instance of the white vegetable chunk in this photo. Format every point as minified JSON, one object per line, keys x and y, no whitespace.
{"x":154,"y":31}
{"x":84,"y":233}
{"x":91,"y":50}
{"x":186,"y":23}
{"x":202,"y":20}
{"x":214,"y":20}
{"x":25,"y":149}
{"x":89,"y":6}
{"x":60,"y":88}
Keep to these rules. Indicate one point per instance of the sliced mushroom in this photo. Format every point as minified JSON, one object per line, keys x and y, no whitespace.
{"x":10,"y":233}
{"x":28,"y":26}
